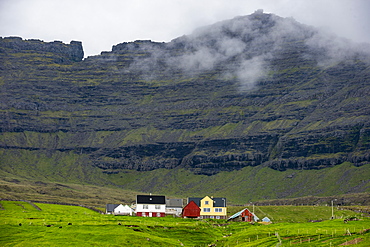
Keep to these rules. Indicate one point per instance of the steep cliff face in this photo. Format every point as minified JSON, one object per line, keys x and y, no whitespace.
{"x":254,"y":90}
{"x":66,"y":53}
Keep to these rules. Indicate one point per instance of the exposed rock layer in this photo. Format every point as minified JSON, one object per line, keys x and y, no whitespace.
{"x":255,"y":90}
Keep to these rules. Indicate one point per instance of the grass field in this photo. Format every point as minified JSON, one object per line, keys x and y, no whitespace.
{"x":22,"y":224}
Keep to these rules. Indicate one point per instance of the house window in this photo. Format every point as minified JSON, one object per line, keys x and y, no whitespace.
{"x":145,"y":206}
{"x":218,"y":210}
{"x":206,"y":210}
{"x":206,"y":202}
{"x":157,"y":206}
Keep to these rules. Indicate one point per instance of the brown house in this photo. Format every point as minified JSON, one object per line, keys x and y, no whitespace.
{"x":191,"y":210}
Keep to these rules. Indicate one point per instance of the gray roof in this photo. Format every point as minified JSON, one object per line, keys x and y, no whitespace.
{"x":111,"y":207}
{"x":195,"y":199}
{"x":219,"y":202}
{"x":174,"y":203}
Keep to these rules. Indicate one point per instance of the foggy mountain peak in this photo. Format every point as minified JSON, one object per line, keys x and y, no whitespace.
{"x":244,"y":47}
{"x":259,"y":32}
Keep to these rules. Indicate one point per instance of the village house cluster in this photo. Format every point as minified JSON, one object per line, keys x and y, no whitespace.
{"x":160,"y":206}
{"x":195,"y":207}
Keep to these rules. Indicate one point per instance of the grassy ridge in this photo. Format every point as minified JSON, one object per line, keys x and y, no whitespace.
{"x":250,"y":183}
{"x":49,"y":166}
{"x":81,"y":183}
{"x":59,"y":225}
{"x":89,"y":195}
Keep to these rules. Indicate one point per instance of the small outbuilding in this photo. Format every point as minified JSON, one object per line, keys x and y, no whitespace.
{"x":191,"y":210}
{"x":266,"y":220}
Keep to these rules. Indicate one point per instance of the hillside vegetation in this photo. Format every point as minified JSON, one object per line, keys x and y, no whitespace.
{"x":22,"y":224}
{"x":256,"y":107}
{"x":250,"y":184}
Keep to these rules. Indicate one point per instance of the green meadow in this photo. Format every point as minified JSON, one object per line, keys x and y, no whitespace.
{"x":22,"y":224}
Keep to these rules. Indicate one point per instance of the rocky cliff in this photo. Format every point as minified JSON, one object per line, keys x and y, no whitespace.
{"x":66,"y":53}
{"x":254,"y":90}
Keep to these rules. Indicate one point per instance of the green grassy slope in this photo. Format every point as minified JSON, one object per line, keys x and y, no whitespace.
{"x":250,"y":183}
{"x":92,"y":229}
{"x":42,"y":182}
{"x":58,"y":225}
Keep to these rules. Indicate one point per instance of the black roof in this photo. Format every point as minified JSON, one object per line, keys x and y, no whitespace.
{"x":217,"y":201}
{"x":149,"y":199}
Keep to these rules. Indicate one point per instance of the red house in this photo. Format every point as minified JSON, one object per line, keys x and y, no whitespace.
{"x":247,"y":215}
{"x":191,"y":210}
{"x":244,"y":215}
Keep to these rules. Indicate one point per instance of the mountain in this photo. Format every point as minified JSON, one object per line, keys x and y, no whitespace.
{"x":251,"y":94}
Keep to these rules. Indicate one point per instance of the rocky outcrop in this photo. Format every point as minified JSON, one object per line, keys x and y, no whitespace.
{"x":70,"y":52}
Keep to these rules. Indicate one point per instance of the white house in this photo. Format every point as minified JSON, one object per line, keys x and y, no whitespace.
{"x":150,"y":206}
{"x":123,"y":210}
{"x":174,"y":207}
{"x":266,"y":219}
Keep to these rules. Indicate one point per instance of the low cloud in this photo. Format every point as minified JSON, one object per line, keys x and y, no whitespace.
{"x":243,"y":47}
{"x":334,"y":49}
{"x":247,"y":43}
{"x":251,"y":71}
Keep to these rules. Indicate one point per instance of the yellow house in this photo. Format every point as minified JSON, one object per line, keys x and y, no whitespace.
{"x":211,"y":207}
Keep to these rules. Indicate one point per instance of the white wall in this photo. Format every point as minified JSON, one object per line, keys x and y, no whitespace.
{"x":122,"y":210}
{"x":151,"y":208}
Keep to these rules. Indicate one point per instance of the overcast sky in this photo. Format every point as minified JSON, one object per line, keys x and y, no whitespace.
{"x":99,"y":24}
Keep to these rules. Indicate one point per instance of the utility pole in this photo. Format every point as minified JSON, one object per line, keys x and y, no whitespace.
{"x":332,"y":208}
